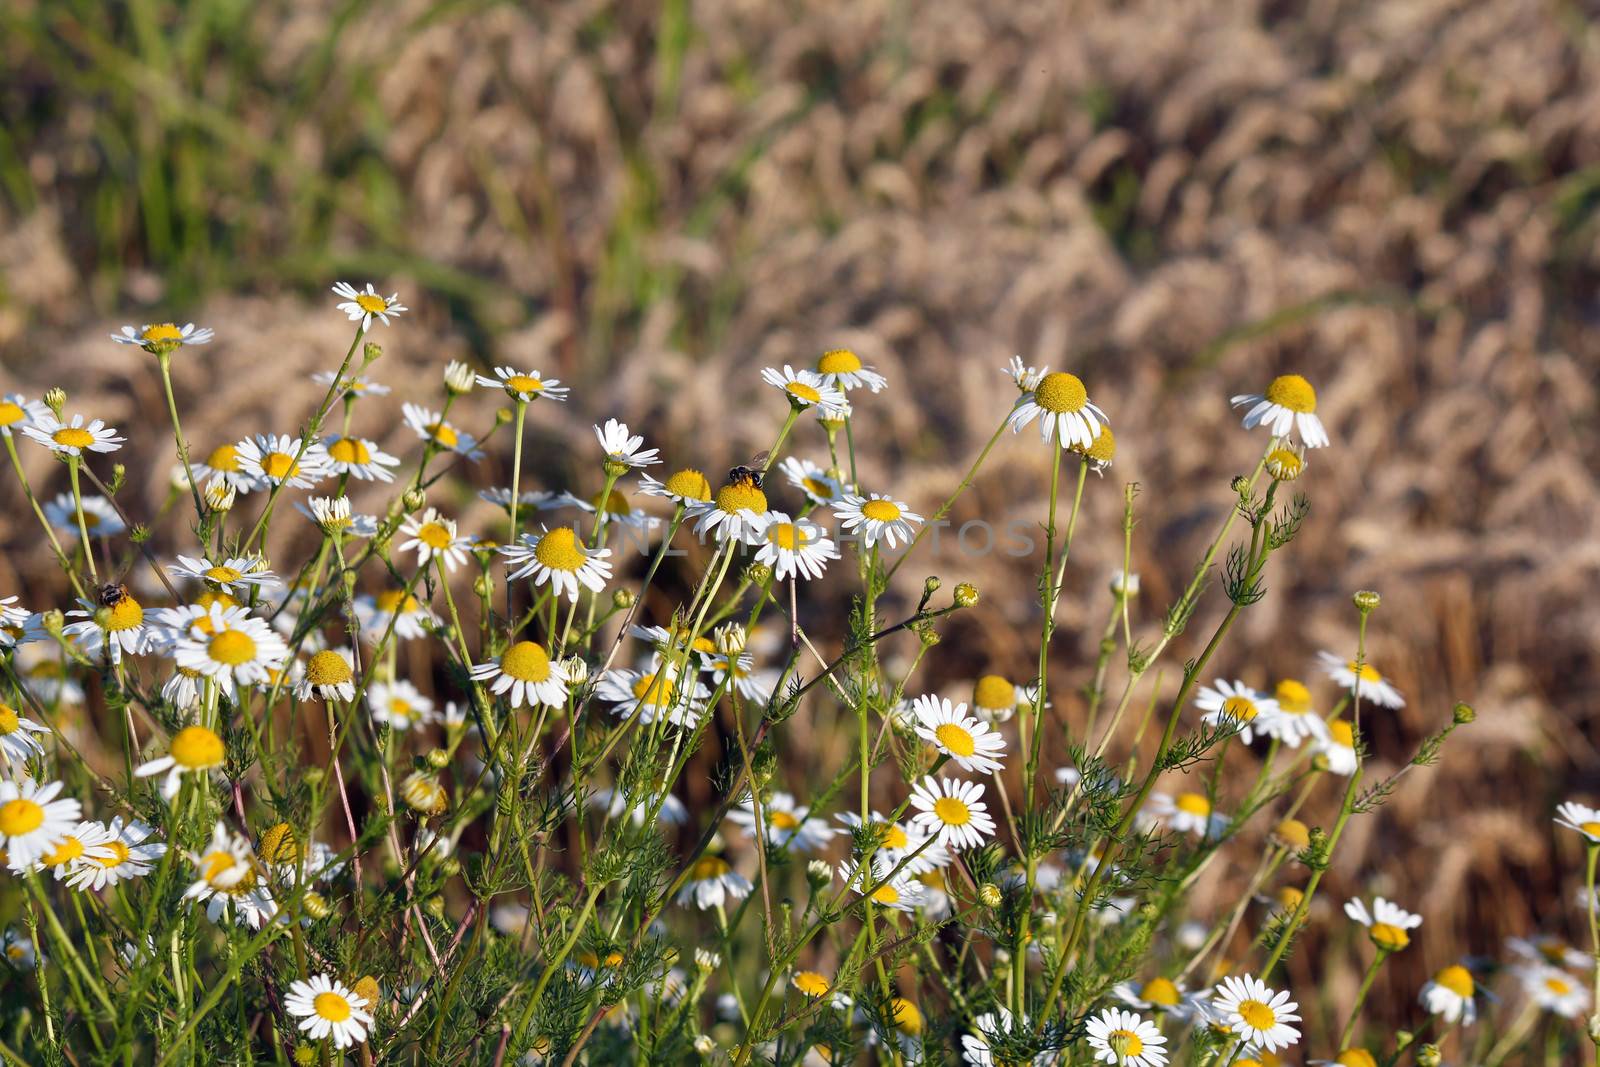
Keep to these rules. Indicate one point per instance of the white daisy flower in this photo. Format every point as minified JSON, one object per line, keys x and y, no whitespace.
{"x":953,"y":810}
{"x":73,"y":438}
{"x":803,"y":387}
{"x":13,"y":621}
{"x":622,"y":447}
{"x":788,"y":824}
{"x":410,"y":616}
{"x":118,"y":627}
{"x":995,"y":699}
{"x":500,"y":497}
{"x":333,"y":515}
{"x":733,"y":513}
{"x":1027,"y":378}
{"x":1162,"y":995}
{"x":164,"y":336}
{"x":935,"y":895}
{"x":433,"y":535}
{"x":902,"y":841}
{"x":712,"y":883}
{"x":898,"y":891}
{"x":1449,"y":994}
{"x":617,"y":510}
{"x":817,"y":484}
{"x":432,"y":427}
{"x":327,"y":1008}
{"x":1387,"y":923}
{"x":1580,"y":817}
{"x":796,"y":547}
{"x":195,"y":750}
{"x":1292,"y":724}
{"x":33,"y":821}
{"x":1288,"y":406}
{"x":222,"y":467}
{"x":44,"y":672}
{"x":1286,"y":462}
{"x":652,"y":694}
{"x":360,"y":459}
{"x":524,"y":672}
{"x":99,"y":515}
{"x":557,"y":558}
{"x":278,"y":459}
{"x":879,"y":517}
{"x":126,"y":853}
{"x":972,"y":744}
{"x":843,"y":369}
{"x":424,"y":793}
{"x":399,"y":705}
{"x":1062,"y":404}
{"x":1552,"y":951}
{"x":67,"y":855}
{"x":17,"y":742}
{"x":1554,"y":990}
{"x":1123,"y":1038}
{"x":1227,"y":703}
{"x":17,"y":412}
{"x":687,"y":486}
{"x":230,"y":881}
{"x":236,"y":574}
{"x":1364,"y":677}
{"x":751,"y":684}
{"x":352,"y":385}
{"x":237,"y":648}
{"x":18,"y":950}
{"x":329,"y":674}
{"x":1186,"y":813}
{"x":524,"y":385}
{"x":1338,"y":749}
{"x":364,"y":305}
{"x":1258,"y":1015}
{"x":670,"y":813}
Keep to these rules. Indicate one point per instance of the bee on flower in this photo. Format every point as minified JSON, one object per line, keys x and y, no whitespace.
{"x":329,"y":675}
{"x":432,"y":428}
{"x":113,"y":626}
{"x":1288,"y":406}
{"x":365,"y":305}
{"x":73,"y":438}
{"x":524,"y":386}
{"x":736,"y":511}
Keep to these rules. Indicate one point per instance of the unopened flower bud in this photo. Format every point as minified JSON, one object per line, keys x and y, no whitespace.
{"x":706,"y":960}
{"x":502,"y":416}
{"x":1240,"y":484}
{"x":927,"y":635}
{"x":438,"y":758}
{"x":730,"y":638}
{"x":119,"y":475}
{"x":434,"y":907}
{"x":55,"y":399}
{"x":622,"y":599}
{"x":1428,"y":1055}
{"x":371,"y":352}
{"x":305,"y":1055}
{"x":139,"y":533}
{"x":450,"y":867}
{"x":930,"y":585}
{"x":818,"y":874}
{"x":1463,"y":714}
{"x":575,"y":669}
{"x":704,"y":1045}
{"x":758,"y":574}
{"x":989,"y":895}
{"x":413,"y":500}
{"x":459,"y":378}
{"x":313,"y":776}
{"x":1292,"y":833}
{"x":1367,"y":601}
{"x":316,"y":905}
{"x":52,"y":621}
{"x":763,"y":762}
{"x":966,"y":595}
{"x":483,"y":586}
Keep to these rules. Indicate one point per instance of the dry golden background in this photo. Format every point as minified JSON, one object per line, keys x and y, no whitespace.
{"x":1176,"y":200}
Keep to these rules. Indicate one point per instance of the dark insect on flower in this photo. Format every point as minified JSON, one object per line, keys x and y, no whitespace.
{"x":111,"y":594}
{"x":752,"y":472}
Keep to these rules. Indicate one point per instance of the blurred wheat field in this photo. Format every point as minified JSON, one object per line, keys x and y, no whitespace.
{"x":1174,"y":199}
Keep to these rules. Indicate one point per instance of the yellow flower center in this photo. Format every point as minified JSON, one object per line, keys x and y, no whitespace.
{"x":278,"y":844}
{"x":886,"y":895}
{"x":10,"y":412}
{"x":443,"y":433}
{"x":1104,"y":449}
{"x":788,"y":536}
{"x":839,"y":361}
{"x":1553,"y":950}
{"x":816,"y":487}
{"x":1590,"y":828}
{"x":932,"y":879}
{"x":906,"y":1016}
{"x":371,"y":303}
{"x":1241,"y":708}
{"x":653,"y":690}
{"x":69,"y":849}
{"x":1342,"y":733}
{"x":802,"y":391}
{"x":232,"y":647}
{"x":436,"y":535}
{"x":20,"y":816}
{"x":526,"y":661}
{"x":952,"y":812}
{"x":522,"y":383}
{"x":10,"y":721}
{"x":1559,"y":986}
{"x":1284,"y":464}
{"x":1289,"y":898}
{"x":223,"y":458}
{"x":366,"y":988}
{"x":1061,"y":393}
{"x":741,"y":496}
{"x":894,"y":837}
{"x":1294,"y":833}
{"x":810,"y":983}
{"x":707,"y":867}
{"x":126,"y":614}
{"x":1364,"y":671}
{"x":1355,"y":1057}
{"x":559,"y":550}
{"x":1293,"y":392}
{"x":1292,"y":696}
{"x":205,"y":600}
{"x":1133,"y":1045}
{"x":349,"y":450}
{"x":196,"y":748}
{"x":223,"y":575}
{"x":1193,"y":803}
{"x":1390,"y":937}
{"x":90,"y":519}
{"x":783,"y":820}
{"x":332,"y":1006}
{"x":1457,"y":979}
{"x":689,"y":484}
{"x":1257,"y":1015}
{"x":119,"y":854}
{"x":993,"y":691}
{"x":1159,"y":991}
{"x":164,"y":331}
{"x":279,"y":465}
{"x":396,"y":600}
{"x":615,"y":504}
{"x":956,"y":740}
{"x":399,"y":708}
{"x":73,"y":437}
{"x":881,"y":510}
{"x":328,"y":668}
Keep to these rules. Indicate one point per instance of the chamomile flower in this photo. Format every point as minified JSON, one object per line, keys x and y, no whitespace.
{"x":818,"y":485}
{"x":116,"y":627}
{"x":843,"y":369}
{"x":1552,"y":951}
{"x":236,"y":648}
{"x":524,"y":672}
{"x":399,"y":705}
{"x":352,"y":385}
{"x":1099,"y":454}
{"x":687,"y":486}
{"x":18,"y":950}
{"x":194,"y":750}
{"x":622,"y":447}
{"x":1259,"y":1016}
{"x":13,"y":621}
{"x":126,"y":853}
{"x":424,"y":794}
{"x":524,"y":385}
{"x":1186,"y":813}
{"x":434,"y":537}
{"x":733,"y":513}
{"x":33,"y":821}
{"x":100,"y":516}
{"x":995,"y":699}
{"x":614,"y":510}
{"x":1062,"y":404}
{"x":432,"y":427}
{"x":899,"y":842}
{"x":222,"y":467}
{"x":73,"y":438}
{"x":803,"y":387}
{"x":1162,"y":995}
{"x":788,"y":823}
{"x":814,"y":985}
{"x":160,"y":337}
{"x":1026,"y":378}
{"x":712,"y":883}
{"x":1286,"y":462}
{"x":364,"y":305}
{"x":750,"y":683}
{"x":1338,"y":748}
{"x":409,"y":616}
{"x":1580,"y":817}
{"x":797,"y":547}
{"x":333,"y":516}
{"x":329,"y":674}
{"x":17,"y":742}
{"x":671,"y":811}
{"x":1288,"y":406}
{"x":953,"y":810}
{"x":1226,"y":703}
{"x":1554,"y":990}
{"x":898,"y":891}
{"x":557,"y":558}
{"x":360,"y":459}
{"x":18,"y":412}
{"x":1449,"y":994}
{"x":1123,"y":1038}
{"x":500,"y":497}
{"x":1387,"y":923}
{"x":327,"y":1008}
{"x":972,"y":744}
{"x":68,"y":853}
{"x":235,"y":574}
{"x":879,"y":518}
{"x":1293,"y":726}
{"x":278,"y":459}
{"x":1364,"y":679}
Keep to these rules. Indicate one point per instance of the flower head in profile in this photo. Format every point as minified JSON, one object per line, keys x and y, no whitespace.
{"x":687,"y":486}
{"x":235,"y":574}
{"x":1363,"y":679}
{"x":432,"y":427}
{"x":1449,"y":994}
{"x":1124,"y":1038}
{"x":360,"y":459}
{"x":843,"y":369}
{"x":1061,"y":403}
{"x":1257,"y":1014}
{"x":1024,"y":377}
{"x":328,"y":1009}
{"x":1580,"y":817}
{"x":1554,"y":990}
{"x":995,"y":698}
{"x":73,"y":438}
{"x":1338,"y":748}
{"x":524,"y":386}
{"x":17,"y":741}
{"x":624,"y":448}
{"x":222,"y":467}
{"x":817,"y":484}
{"x":163,"y":337}
{"x":351,"y":385}
{"x":365,"y":305}
{"x":803,"y":388}
{"x":1185,"y":813}
{"x":1163,"y":995}
{"x":1288,"y":406}
{"x":1388,"y":924}
{"x":969,"y":742}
